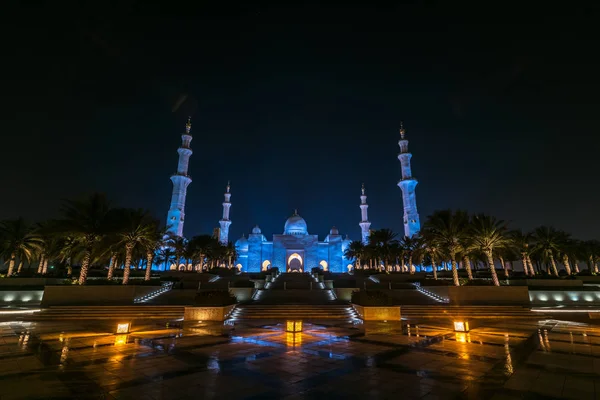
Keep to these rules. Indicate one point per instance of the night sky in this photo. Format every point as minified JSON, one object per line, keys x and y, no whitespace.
{"x":298,"y":105}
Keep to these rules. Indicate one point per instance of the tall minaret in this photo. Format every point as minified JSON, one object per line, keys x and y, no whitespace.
{"x":181,"y":180}
{"x":225,"y":222}
{"x":364,"y":222}
{"x":408,"y":184}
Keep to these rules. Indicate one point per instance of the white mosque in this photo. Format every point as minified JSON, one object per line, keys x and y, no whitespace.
{"x":294,"y":249}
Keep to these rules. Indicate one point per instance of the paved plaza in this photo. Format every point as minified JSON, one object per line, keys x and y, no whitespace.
{"x":509,"y":359}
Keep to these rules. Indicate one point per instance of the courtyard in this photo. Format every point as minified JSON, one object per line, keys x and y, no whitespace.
{"x":497,"y":359}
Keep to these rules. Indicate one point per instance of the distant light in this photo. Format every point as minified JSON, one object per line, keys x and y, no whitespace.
{"x":293,"y":326}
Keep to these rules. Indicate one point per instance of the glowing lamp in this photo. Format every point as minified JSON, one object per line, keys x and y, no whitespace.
{"x":123,"y":328}
{"x":120,"y":340}
{"x":461,"y":326}
{"x":293,"y":326}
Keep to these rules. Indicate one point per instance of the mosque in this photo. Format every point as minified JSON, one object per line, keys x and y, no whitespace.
{"x":294,"y":250}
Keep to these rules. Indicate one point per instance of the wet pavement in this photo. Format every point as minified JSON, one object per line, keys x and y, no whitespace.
{"x":508,"y":359}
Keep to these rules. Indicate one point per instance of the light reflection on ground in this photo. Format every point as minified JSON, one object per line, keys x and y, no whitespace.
{"x":498,"y":359}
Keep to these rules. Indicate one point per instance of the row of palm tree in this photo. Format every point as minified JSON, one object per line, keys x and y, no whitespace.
{"x":455,"y":237}
{"x":90,"y":233}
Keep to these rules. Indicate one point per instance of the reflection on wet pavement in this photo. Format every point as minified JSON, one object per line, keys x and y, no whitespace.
{"x":497,"y":360}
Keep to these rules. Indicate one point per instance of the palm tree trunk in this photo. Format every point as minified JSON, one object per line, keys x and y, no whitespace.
{"x":596,"y":266}
{"x":149,"y":258}
{"x":503,"y":266}
{"x":467,"y":263}
{"x":85,"y":265}
{"x":111,"y":267}
{"x":20,"y":267}
{"x":41,"y":264}
{"x":434,"y":268}
{"x":492,"y":268}
{"x":525,"y":266}
{"x":553,"y":264}
{"x":45,"y":269}
{"x":178,"y":262}
{"x":11,"y":264}
{"x":69,"y":267}
{"x":410,"y":265}
{"x":576,"y":267}
{"x":566,"y":264}
{"x":127,"y":269}
{"x":454,"y":270}
{"x":531,"y":265}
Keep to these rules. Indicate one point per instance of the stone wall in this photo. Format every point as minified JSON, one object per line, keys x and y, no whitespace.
{"x":482,"y":295}
{"x":391,"y":313}
{"x":548,"y":298}
{"x":207,"y":313}
{"x":345,"y":293}
{"x":12,"y":297}
{"x":67,"y":295}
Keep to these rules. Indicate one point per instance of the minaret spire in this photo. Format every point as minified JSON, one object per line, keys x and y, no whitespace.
{"x":412,"y":225}
{"x":364,"y":223}
{"x":181,"y":180}
{"x":225,"y":221}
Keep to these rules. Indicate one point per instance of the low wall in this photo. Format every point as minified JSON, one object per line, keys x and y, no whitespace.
{"x":391,"y":313}
{"x":207,"y":313}
{"x":345,"y":293}
{"x":483,"y":295}
{"x":546,"y":298}
{"x":20,"y":297}
{"x":242,"y":294}
{"x":67,"y":295}
{"x":29,"y":281}
{"x":546,"y":282}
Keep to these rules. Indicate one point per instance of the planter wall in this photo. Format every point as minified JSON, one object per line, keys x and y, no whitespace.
{"x":242,"y":294}
{"x":345,"y":293}
{"x":207,"y":313}
{"x":93,"y":295}
{"x":30,"y":281}
{"x":366,"y":313}
{"x":20,"y":297}
{"x":546,"y":298}
{"x":483,"y":295}
{"x":328,"y":284}
{"x":546,"y":282}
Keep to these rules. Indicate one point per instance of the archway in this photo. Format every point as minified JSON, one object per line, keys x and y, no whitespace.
{"x":266,"y":264}
{"x":323,"y":265}
{"x":349,"y":267}
{"x":239,"y":267}
{"x":295,"y":263}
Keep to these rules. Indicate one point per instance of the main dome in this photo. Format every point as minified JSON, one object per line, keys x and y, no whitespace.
{"x":295,"y":225}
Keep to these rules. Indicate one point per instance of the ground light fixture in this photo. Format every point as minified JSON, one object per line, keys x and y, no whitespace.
{"x":123,"y":327}
{"x":461,"y":326}
{"x":293,"y":326}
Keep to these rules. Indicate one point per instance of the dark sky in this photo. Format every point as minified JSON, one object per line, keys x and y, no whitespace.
{"x":298,"y":105}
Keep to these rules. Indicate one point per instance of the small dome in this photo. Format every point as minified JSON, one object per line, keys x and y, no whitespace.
{"x":334,"y":231}
{"x":256,"y":229}
{"x":295,"y":225}
{"x":242,"y":244}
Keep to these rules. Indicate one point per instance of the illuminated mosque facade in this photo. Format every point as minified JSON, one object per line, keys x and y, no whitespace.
{"x":294,"y":250}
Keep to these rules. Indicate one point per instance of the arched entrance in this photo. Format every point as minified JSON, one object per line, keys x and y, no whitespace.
{"x":265,"y":265}
{"x":324,"y":265}
{"x":295,"y":263}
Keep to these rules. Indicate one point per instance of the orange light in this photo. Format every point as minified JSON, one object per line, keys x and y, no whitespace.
{"x":120,"y":340}
{"x":293,"y":326}
{"x":123,"y":328}
{"x":461,"y":326}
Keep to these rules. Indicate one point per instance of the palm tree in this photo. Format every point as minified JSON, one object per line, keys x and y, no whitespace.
{"x":138,"y":228}
{"x":355,"y":251}
{"x":410,"y":246}
{"x":591,"y":249}
{"x":521,"y":242}
{"x":487,"y":235}
{"x":85,"y":221}
{"x":153,"y":243}
{"x":566,"y":248}
{"x":17,"y":239}
{"x":445,"y":231}
{"x":67,"y":250}
{"x":179,"y":245}
{"x":165,"y":256}
{"x":548,"y":242}
{"x":381,"y":241}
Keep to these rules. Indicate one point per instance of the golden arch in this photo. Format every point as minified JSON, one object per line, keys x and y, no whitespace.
{"x":324,"y":264}
{"x":266,"y":264}
{"x":295,"y":256}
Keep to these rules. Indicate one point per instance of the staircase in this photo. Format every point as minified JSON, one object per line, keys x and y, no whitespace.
{"x":298,"y":312}
{"x":165,"y":287}
{"x":107,"y":313}
{"x":446,"y":311}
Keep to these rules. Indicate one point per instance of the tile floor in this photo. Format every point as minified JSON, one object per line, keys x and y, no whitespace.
{"x":517,"y":359}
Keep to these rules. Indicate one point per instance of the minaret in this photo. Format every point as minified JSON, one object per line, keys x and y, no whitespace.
{"x":412,"y":225}
{"x":364,"y":222}
{"x":181,"y":180}
{"x":225,"y":222}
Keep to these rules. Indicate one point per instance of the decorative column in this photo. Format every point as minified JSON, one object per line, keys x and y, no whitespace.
{"x":181,"y":180}
{"x":364,"y":222}
{"x":412,"y":225}
{"x":225,"y":222}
